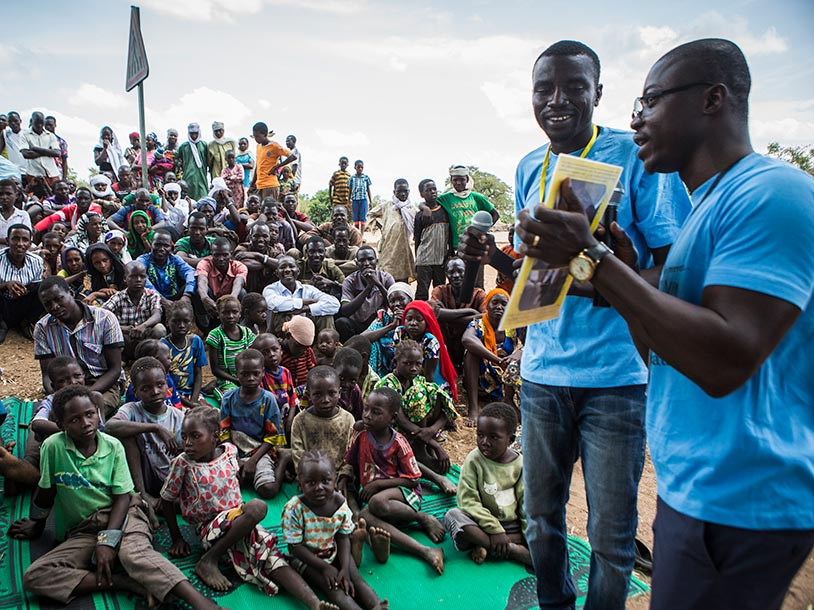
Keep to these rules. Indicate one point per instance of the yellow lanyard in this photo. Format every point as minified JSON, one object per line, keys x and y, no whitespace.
{"x":581,"y":156}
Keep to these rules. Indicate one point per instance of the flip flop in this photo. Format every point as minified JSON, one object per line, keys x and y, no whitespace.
{"x":644,"y":558}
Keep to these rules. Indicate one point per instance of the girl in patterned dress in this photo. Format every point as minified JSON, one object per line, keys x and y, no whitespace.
{"x":317,"y":525}
{"x":204,"y":481}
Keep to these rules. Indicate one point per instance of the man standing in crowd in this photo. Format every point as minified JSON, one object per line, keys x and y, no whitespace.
{"x":14,"y":142}
{"x":269,"y":160}
{"x":296,"y":164}
{"x":218,"y":149}
{"x":62,"y":159}
{"x":41,"y":150}
{"x":191,"y":163}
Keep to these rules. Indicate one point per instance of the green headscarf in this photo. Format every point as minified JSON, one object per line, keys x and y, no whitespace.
{"x":135,"y":246}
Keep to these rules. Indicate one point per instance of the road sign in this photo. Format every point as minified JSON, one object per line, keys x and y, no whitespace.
{"x":137,"y":67}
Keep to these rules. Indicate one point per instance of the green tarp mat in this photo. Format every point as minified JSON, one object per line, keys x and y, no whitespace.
{"x":404,"y":580}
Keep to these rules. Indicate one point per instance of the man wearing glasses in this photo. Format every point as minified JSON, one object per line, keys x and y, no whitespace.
{"x":728,"y":333}
{"x":583,"y":391}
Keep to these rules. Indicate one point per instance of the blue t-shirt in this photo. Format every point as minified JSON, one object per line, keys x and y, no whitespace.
{"x":173,"y":400}
{"x":587,"y":346}
{"x":746,"y":459}
{"x":184,"y":361}
{"x":169,"y":281}
{"x":247,"y":425}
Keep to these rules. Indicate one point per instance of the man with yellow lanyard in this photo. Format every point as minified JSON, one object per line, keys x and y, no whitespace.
{"x":583,"y":391}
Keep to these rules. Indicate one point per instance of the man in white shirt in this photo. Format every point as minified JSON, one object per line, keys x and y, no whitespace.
{"x":288,"y":297}
{"x":296,"y":165}
{"x":41,"y":149}
{"x":14,"y":140}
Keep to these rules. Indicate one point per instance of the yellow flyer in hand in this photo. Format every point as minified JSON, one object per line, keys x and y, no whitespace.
{"x":540,"y":289}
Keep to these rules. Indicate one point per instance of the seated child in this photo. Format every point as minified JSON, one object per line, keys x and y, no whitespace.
{"x":327,"y":344}
{"x":489,"y":519}
{"x":254,"y":313}
{"x":323,"y":426}
{"x":317,"y":525}
{"x":161,"y":352}
{"x":368,"y":377}
{"x":381,"y":469}
{"x":114,"y":528}
{"x":204,"y":481}
{"x":250,"y":420}
{"x":225,"y":342}
{"x":421,"y":325}
{"x":187,"y":353}
{"x":349,"y":364}
{"x":425,"y":410}
{"x":298,"y":356}
{"x":277,"y":379}
{"x":149,"y":429}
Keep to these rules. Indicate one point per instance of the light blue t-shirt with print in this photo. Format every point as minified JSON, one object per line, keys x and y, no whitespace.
{"x":587,"y":346}
{"x":746,"y":459}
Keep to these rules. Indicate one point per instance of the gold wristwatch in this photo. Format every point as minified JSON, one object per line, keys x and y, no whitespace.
{"x":583,"y":266}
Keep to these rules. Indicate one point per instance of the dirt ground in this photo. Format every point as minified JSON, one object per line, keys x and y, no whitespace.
{"x":21,"y":377}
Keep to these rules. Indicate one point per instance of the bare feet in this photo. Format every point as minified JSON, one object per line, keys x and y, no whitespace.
{"x":382,"y":605}
{"x":435,"y":557}
{"x":327,"y":606}
{"x":478,"y":555}
{"x":207,"y":569}
{"x":357,"y":541}
{"x":471,"y":422}
{"x":519,"y":553}
{"x":380,"y":543}
{"x":448,"y":487}
{"x":432,"y":527}
{"x":124,"y":582}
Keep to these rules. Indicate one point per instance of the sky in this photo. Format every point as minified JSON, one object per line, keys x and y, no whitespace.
{"x":409,"y":87}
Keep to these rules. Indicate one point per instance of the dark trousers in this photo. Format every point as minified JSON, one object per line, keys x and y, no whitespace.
{"x":699,"y":565}
{"x":347,"y":328}
{"x":428,"y":274}
{"x":16,"y":311}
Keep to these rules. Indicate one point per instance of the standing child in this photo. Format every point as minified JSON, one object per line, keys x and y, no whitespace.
{"x":149,"y":430}
{"x":254,"y":313}
{"x":317,"y":525}
{"x":204,"y":481}
{"x":324,"y":425}
{"x":489,"y":519}
{"x":433,"y":244}
{"x":327,"y":344}
{"x":338,"y":189}
{"x":277,"y":379}
{"x":425,"y":411}
{"x":359,"y":185}
{"x":232,"y":174}
{"x":84,"y":472}
{"x":250,"y":420}
{"x":225,"y":342}
{"x":380,"y":461}
{"x":396,"y":218}
{"x":187,"y":353}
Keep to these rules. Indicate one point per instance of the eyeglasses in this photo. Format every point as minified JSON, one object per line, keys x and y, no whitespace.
{"x":646,"y":101}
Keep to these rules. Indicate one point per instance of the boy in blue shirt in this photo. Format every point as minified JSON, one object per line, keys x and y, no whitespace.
{"x":360,"y":198}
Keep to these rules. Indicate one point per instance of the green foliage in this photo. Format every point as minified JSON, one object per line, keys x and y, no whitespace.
{"x":494,"y":189}
{"x":801,"y":156}
{"x":316,"y":206}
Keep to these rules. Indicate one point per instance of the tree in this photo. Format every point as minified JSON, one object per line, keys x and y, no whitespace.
{"x":801,"y":156}
{"x":316,"y":206}
{"x":494,"y":189}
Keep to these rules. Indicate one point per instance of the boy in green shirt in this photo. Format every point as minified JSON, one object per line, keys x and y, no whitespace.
{"x":85,"y":473}
{"x":462,"y":202}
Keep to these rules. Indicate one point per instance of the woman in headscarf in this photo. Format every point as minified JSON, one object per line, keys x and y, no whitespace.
{"x":489,"y":354}
{"x":108,"y":153}
{"x":74,"y":272}
{"x":106,"y":273}
{"x":103,"y":194}
{"x":140,"y":234}
{"x":380,"y":332}
{"x":89,"y":230}
{"x":116,"y":240}
{"x":175,"y":208}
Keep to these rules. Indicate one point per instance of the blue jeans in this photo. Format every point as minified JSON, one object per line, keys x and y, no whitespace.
{"x":604,"y":427}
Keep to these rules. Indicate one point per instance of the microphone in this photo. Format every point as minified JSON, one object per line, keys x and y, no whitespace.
{"x":611,"y":213}
{"x":481,"y":222}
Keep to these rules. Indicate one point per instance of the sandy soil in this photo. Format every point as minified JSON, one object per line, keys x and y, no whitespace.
{"x":21,"y":377}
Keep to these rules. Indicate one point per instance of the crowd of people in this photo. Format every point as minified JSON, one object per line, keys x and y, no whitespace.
{"x":336,"y":363}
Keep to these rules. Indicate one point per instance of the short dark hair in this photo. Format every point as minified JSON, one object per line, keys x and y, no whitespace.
{"x":220,"y":242}
{"x":177,"y":307}
{"x":8,"y":182}
{"x":364,"y":247}
{"x":65,"y":395}
{"x":260,"y":127}
{"x":314,"y":239}
{"x":359,"y":343}
{"x":144,"y":364}
{"x":292,"y":136}
{"x":158,"y":232}
{"x":19,"y":225}
{"x":348,"y":357}
{"x":147,"y":347}
{"x":316,"y":457}
{"x":51,"y":235}
{"x":251,"y":300}
{"x":196,"y":216}
{"x":50,"y":282}
{"x":422,"y":184}
{"x":321,"y":372}
{"x":400,"y":181}
{"x":505,"y":413}
{"x":717,"y":60}
{"x":249,"y":354}
{"x":60,"y":363}
{"x":358,"y":161}
{"x":392,"y":397}
{"x":572,"y":48}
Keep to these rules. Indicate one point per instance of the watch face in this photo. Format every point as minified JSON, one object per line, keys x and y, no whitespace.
{"x":581,"y":268}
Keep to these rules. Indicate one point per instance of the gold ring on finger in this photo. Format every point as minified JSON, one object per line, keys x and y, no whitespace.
{"x":536,"y":241}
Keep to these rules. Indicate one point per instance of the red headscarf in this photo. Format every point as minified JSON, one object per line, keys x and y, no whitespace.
{"x":447,"y":370}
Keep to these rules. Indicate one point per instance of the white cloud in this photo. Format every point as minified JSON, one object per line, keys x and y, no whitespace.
{"x":659,"y":37}
{"x":8,"y":53}
{"x":230,"y":10}
{"x":264,"y":104}
{"x":334,"y":138}
{"x":202,"y":105}
{"x":90,"y":95}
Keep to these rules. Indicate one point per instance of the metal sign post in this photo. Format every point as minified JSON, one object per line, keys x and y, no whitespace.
{"x":137,"y":70}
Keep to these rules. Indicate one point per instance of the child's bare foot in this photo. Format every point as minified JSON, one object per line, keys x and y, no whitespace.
{"x":432,"y":527}
{"x":125,"y":583}
{"x":478,"y":555}
{"x":207,"y":569}
{"x":382,"y":605}
{"x":380,"y":543}
{"x":435,"y":557}
{"x":471,"y":422}
{"x":357,"y":541}
{"x":448,"y":487}
{"x":519,"y":553}
{"x":326,"y":606}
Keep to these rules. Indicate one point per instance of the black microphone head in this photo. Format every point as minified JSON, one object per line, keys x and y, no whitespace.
{"x":482,"y":221}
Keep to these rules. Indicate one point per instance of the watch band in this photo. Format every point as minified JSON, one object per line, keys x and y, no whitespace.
{"x":597,"y":252}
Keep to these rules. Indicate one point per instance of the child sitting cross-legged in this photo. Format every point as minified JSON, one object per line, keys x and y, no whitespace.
{"x":149,"y":429}
{"x":250,"y":420}
{"x":425,"y":410}
{"x":84,"y":472}
{"x":323,"y":426}
{"x":204,"y":481}
{"x":381,"y":470}
{"x":317,"y":525}
{"x":489,"y":519}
